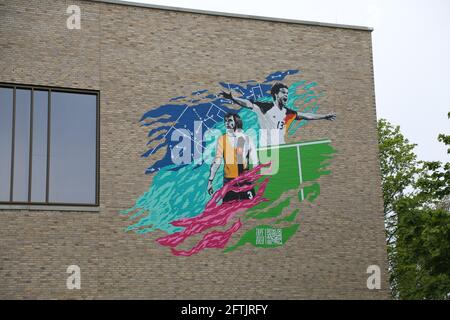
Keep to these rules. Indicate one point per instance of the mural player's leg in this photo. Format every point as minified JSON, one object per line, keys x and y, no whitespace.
{"x":230,"y":195}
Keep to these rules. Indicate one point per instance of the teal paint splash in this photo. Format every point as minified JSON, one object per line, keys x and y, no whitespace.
{"x":303,"y":98}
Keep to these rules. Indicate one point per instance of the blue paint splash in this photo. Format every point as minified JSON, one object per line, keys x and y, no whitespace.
{"x":177,"y":98}
{"x":280,"y":75}
{"x":199,"y":92}
{"x":179,"y":118}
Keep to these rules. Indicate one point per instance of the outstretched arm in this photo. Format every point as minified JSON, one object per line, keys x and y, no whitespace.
{"x":313,"y":116}
{"x":240,"y":101}
{"x":215,"y":165}
{"x":212,"y":173}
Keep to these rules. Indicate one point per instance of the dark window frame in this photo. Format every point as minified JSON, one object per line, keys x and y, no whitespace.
{"x":50,"y":89}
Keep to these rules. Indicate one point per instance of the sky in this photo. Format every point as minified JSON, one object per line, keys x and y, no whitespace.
{"x":411,"y":47}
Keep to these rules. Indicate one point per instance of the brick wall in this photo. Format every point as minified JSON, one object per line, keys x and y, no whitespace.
{"x":139,"y":57}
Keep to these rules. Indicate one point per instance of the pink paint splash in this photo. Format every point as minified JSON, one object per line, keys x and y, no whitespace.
{"x":217,"y":215}
{"x":214,"y":239}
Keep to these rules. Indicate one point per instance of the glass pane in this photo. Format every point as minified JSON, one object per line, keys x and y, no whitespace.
{"x":72,"y":148}
{"x":22,"y":145}
{"x":6,"y":111}
{"x":39,"y":154}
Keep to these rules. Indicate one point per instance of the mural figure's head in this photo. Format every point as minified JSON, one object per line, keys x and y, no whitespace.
{"x":233,"y":121}
{"x":279,"y":93}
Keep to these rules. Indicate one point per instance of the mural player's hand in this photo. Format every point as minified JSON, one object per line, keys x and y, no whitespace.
{"x":226,"y":95}
{"x":210,"y":188}
{"x":330,"y":116}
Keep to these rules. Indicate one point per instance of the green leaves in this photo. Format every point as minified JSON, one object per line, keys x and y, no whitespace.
{"x":422,"y":254}
{"x":417,"y":217}
{"x":398,"y":163}
{"x":445,"y":138}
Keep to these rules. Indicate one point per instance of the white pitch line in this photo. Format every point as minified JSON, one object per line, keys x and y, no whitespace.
{"x":300,"y":172}
{"x":219,"y":111}
{"x":168,"y":132}
{"x":283,"y":146}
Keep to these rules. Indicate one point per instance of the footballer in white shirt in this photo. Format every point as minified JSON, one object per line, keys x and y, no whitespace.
{"x":274,"y":116}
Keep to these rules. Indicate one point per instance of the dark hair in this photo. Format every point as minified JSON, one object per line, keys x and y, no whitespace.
{"x":236,"y":118}
{"x":276,"y":88}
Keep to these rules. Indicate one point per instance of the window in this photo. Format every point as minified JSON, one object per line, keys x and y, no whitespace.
{"x":49,"y":146}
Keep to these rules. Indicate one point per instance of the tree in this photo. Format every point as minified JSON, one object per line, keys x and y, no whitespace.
{"x":422,"y":252}
{"x":416,"y":203}
{"x":445,"y":138}
{"x":399,"y":166}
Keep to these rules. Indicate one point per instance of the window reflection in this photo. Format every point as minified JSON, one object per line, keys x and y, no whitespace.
{"x":22,"y":145}
{"x":72,"y":148}
{"x":39,"y":153}
{"x":6,"y":112}
{"x":48,"y":162}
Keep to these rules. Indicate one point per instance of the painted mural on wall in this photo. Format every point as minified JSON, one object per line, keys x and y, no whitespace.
{"x":223,"y":175}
